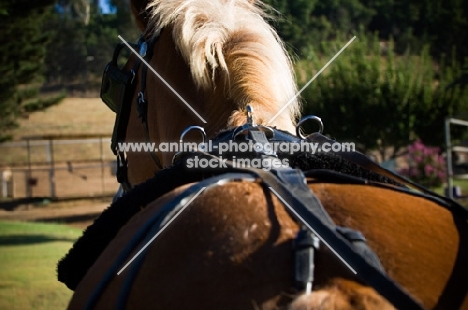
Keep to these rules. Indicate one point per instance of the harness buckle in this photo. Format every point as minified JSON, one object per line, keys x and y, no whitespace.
{"x":304,"y":245}
{"x":245,"y":130}
{"x":142,"y":106}
{"x":122,"y":172}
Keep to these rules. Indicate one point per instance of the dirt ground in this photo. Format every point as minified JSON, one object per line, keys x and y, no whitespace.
{"x":73,"y":117}
{"x":75,"y":212}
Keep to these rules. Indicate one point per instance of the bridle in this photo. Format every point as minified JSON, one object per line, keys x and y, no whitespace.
{"x":117,"y":91}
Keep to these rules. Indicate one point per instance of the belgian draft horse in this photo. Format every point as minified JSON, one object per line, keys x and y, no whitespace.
{"x":231,"y":248}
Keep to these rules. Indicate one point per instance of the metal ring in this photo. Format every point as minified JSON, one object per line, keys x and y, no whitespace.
{"x":303,"y":120}
{"x":190,"y":128}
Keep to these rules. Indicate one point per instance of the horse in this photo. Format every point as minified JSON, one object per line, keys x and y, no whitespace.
{"x":216,"y":54}
{"x":231,"y":247}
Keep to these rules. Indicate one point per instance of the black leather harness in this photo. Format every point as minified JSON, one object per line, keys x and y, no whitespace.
{"x":289,"y":185}
{"x":117,"y":90}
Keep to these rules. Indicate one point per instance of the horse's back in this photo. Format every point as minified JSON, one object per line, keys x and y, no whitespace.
{"x":421,"y":244}
{"x":213,"y":252}
{"x":232,"y":249}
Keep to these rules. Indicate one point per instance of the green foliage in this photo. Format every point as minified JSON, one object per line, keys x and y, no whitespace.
{"x":379,"y":99}
{"x":79,"y":51}
{"x":440,"y":23}
{"x":304,"y":23}
{"x":125,"y":23}
{"x":40,"y":104}
{"x":22,"y":41}
{"x":373,"y":97}
{"x":66,"y":51}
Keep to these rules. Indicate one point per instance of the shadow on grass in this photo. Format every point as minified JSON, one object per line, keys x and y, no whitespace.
{"x":70,"y":219}
{"x":11,"y":205}
{"x":27,"y":239}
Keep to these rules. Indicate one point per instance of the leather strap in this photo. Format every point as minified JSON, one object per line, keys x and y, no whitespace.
{"x":142,"y":109}
{"x":364,"y":269}
{"x":122,"y":118}
{"x":148,"y":230}
{"x":306,"y":208}
{"x":364,"y":162}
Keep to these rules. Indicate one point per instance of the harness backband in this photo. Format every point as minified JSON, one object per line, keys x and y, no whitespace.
{"x":289,"y":185}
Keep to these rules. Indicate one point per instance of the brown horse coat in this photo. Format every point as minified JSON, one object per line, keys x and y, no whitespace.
{"x":249,"y":66}
{"x":231,"y":249}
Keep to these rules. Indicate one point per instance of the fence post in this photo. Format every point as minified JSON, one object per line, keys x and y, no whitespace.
{"x":102,"y":165}
{"x":50,"y":159}
{"x":4,"y":185}
{"x":448,"y":144}
{"x":7,"y":183}
{"x":29,"y":174}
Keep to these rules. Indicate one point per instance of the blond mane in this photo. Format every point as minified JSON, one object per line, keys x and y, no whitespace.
{"x":230,"y":39}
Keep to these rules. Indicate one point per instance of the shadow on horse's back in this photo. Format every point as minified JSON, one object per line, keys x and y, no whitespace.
{"x":232,"y":247}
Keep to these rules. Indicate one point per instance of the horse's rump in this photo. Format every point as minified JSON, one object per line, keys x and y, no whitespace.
{"x":232,"y":249}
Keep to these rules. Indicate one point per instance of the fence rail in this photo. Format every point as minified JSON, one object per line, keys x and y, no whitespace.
{"x":57,"y":168}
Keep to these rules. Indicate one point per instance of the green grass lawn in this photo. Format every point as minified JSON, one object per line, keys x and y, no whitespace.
{"x":456,"y":182}
{"x":463,"y":183}
{"x":29,"y":253}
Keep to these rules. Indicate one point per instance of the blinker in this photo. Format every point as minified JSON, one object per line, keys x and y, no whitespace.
{"x":115,"y":83}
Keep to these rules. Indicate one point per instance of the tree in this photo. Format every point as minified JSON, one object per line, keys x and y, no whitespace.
{"x":382,"y":101}
{"x":77,"y":9}
{"x":126,"y":25}
{"x":22,"y":41}
{"x":440,"y":23}
{"x":81,"y":48}
{"x":66,"y":57}
{"x":293,"y":22}
{"x":306,"y":23}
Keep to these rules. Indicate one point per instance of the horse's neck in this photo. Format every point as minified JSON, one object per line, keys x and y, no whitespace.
{"x":167,"y":114}
{"x":221,"y":107}
{"x":258,"y":75}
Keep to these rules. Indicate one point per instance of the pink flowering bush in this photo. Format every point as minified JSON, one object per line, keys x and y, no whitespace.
{"x":426,"y":166}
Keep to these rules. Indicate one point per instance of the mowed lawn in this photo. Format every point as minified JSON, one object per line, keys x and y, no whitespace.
{"x":29,"y":253}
